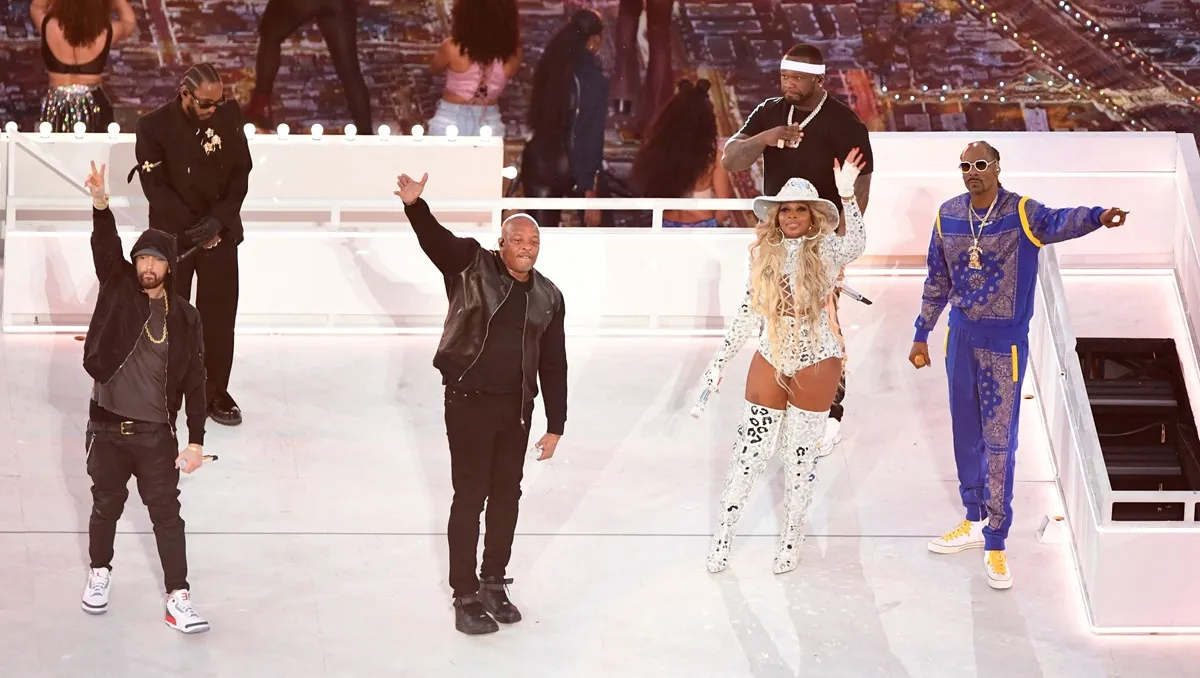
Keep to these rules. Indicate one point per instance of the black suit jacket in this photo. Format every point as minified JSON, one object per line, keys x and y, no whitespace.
{"x":189,"y":172}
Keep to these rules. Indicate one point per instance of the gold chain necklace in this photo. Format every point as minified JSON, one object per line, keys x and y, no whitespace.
{"x":974,"y":252}
{"x":803,"y":123}
{"x":166,"y":309}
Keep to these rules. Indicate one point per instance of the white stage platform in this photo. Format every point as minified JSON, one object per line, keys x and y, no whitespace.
{"x":317,"y":541}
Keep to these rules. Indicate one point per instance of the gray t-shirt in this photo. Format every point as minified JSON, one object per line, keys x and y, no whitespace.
{"x":138,"y":390}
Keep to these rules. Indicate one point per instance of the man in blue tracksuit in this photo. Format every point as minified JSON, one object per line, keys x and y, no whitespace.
{"x":983,"y":262}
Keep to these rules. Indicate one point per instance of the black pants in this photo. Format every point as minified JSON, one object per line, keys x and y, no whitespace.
{"x":338,"y":23}
{"x":217,"y":302}
{"x":487,"y":457}
{"x":111,"y":459}
{"x":836,"y":410}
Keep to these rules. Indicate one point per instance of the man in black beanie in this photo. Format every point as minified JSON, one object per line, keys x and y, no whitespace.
{"x":194,"y":165}
{"x":145,"y":351}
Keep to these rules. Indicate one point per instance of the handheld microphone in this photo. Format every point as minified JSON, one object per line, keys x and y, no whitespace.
{"x":698,"y":409}
{"x":855,"y":295}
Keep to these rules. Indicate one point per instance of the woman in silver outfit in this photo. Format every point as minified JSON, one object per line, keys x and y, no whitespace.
{"x":788,"y":311}
{"x":76,"y":38}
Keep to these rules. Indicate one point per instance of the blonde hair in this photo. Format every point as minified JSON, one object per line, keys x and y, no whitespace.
{"x":768,"y":284}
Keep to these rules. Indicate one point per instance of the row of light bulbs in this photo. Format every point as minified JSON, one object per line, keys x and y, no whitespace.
{"x":350,"y":131}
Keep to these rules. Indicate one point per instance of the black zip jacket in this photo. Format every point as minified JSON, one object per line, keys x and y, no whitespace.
{"x":477,"y":283}
{"x":122,"y":311}
{"x":185,"y":183}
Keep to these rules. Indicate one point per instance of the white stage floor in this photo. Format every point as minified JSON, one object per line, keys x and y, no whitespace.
{"x":317,"y":541}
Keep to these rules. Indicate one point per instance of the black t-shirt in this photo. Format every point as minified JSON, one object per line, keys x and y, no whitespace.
{"x":831,"y":134}
{"x":500,"y":367}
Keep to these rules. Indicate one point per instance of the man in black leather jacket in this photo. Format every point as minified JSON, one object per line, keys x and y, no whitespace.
{"x":194,"y":166}
{"x":145,"y":351}
{"x":504,"y":329}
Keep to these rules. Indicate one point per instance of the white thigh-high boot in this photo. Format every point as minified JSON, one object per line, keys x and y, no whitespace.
{"x":758,"y":435}
{"x":799,"y":447}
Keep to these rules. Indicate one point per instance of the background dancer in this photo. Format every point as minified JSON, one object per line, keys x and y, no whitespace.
{"x":338,"y":23}
{"x":504,"y":330}
{"x":480,"y":57}
{"x":800,"y":135}
{"x":194,"y":166}
{"x":145,"y":349}
{"x":794,"y":265}
{"x":983,"y":261}
{"x":76,"y":38}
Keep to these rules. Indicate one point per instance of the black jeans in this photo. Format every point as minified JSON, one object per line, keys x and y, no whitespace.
{"x":111,"y":459}
{"x":487,"y":457}
{"x":338,"y":22}
{"x":217,"y":302}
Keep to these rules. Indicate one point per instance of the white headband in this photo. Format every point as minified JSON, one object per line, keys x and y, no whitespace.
{"x":802,"y":67}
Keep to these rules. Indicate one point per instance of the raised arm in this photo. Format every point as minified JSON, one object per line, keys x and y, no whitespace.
{"x":441,"y":58}
{"x":936,"y":293}
{"x":37,"y":12}
{"x":106,"y":244}
{"x":450,"y":253}
{"x":126,"y":23}
{"x":844,"y":249}
{"x":156,"y":182}
{"x":1047,"y":226}
{"x":552,"y":372}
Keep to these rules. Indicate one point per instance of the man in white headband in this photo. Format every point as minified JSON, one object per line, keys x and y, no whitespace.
{"x":503,"y":331}
{"x":799,"y":135}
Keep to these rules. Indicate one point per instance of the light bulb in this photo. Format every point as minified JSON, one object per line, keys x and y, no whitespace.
{"x":509,"y":172}
{"x":350,"y":131}
{"x":316,"y":131}
{"x":114,"y":130}
{"x":452,"y":132}
{"x":44,"y":129}
{"x":384,"y":131}
{"x":80,"y":129}
{"x":283,"y":129}
{"x":249,"y":129}
{"x":485,"y":132}
{"x":10,"y":127}
{"x":418,"y":131}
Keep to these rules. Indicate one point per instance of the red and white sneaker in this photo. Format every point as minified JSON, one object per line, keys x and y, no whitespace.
{"x":95,"y":593}
{"x":182,"y":616}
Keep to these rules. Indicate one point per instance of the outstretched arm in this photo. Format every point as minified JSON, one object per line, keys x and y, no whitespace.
{"x":936,"y":294}
{"x":450,"y":253}
{"x":1049,"y":226}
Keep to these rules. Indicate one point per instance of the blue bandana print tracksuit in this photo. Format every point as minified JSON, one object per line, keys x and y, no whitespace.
{"x":988,"y":341}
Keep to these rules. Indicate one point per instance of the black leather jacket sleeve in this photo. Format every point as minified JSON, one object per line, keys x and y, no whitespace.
{"x":552,"y":372}
{"x":106,"y":244}
{"x":450,"y":253}
{"x":193,"y":385}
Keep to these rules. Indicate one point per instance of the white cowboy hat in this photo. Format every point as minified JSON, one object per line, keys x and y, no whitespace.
{"x":798,"y":190}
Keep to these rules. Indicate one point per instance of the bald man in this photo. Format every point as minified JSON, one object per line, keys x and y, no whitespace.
{"x":504,"y":330}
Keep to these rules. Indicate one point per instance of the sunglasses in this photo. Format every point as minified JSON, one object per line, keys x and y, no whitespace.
{"x":205,"y":104}
{"x":979,"y":165}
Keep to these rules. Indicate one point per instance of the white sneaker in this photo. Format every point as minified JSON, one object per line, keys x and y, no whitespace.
{"x":968,"y":535}
{"x":181,"y":615}
{"x":95,"y":594}
{"x":996,"y":564}
{"x":833,"y":436}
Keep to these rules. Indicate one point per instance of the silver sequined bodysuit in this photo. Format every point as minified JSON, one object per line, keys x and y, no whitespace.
{"x":809,"y":345}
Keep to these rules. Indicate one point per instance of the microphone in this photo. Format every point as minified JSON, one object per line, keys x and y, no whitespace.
{"x":185,"y":255}
{"x":857,"y":296}
{"x":698,"y":409}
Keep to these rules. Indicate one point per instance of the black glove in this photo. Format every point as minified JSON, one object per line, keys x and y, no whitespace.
{"x":205,"y":230}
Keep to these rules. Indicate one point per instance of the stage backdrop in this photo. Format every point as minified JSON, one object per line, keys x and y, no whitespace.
{"x":903,"y":66}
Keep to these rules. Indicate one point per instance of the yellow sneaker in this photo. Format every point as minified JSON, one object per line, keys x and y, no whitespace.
{"x":996,"y":563}
{"x":968,"y":535}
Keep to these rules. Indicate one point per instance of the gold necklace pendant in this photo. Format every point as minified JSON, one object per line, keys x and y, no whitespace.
{"x":974,"y":262}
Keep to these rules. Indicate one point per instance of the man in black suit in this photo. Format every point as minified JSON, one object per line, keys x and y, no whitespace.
{"x":194,"y":166}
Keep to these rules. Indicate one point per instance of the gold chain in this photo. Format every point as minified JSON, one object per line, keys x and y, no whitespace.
{"x":166,"y":310}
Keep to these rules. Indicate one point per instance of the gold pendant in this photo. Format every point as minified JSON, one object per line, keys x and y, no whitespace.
{"x":973,"y":261}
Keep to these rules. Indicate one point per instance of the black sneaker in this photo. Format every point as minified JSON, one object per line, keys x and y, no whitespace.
{"x":471,"y":618}
{"x":494,"y":596}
